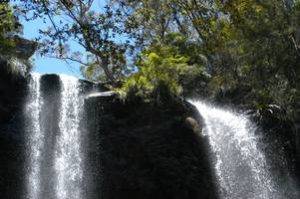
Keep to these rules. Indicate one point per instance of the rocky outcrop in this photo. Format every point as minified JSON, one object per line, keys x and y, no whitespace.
{"x":147,"y":150}
{"x":13,"y":83}
{"x":20,"y":47}
{"x":12,"y":97}
{"x":13,"y":91}
{"x":194,"y":125}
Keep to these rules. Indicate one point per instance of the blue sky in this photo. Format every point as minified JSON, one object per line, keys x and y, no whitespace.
{"x":45,"y":64}
{"x":52,"y":65}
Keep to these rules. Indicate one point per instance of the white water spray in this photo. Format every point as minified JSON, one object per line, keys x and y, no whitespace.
{"x":66,"y":167}
{"x":36,"y":137}
{"x":241,"y":167}
{"x":68,"y":155}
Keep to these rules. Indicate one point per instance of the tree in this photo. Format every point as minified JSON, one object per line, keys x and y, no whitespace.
{"x":150,"y":19}
{"x":14,"y":51}
{"x":93,"y":30}
{"x":112,"y":36}
{"x":251,"y":43}
{"x":171,"y":64}
{"x":255,"y":44}
{"x":7,"y":25}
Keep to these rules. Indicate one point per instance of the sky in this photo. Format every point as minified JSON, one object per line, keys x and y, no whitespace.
{"x":51,"y":65}
{"x":44,"y":64}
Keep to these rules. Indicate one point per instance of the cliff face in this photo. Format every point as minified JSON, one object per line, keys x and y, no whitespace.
{"x":147,"y":151}
{"x":13,"y":91}
{"x":12,"y":157}
{"x":135,"y":149}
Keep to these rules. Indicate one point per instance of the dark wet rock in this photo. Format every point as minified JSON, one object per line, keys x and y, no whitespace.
{"x":13,"y":90}
{"x":146,"y":150}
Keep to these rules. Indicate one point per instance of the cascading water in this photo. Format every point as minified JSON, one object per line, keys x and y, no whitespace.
{"x":55,"y":154}
{"x":36,"y":137}
{"x":241,"y":167}
{"x":65,"y":167}
{"x":68,"y":157}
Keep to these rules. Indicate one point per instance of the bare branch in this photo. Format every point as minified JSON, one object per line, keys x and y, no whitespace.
{"x":70,"y":59}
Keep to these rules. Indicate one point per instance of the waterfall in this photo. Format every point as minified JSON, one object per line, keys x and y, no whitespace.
{"x":68,"y":159}
{"x":54,"y":170}
{"x":240,"y":165}
{"x":35,"y":143}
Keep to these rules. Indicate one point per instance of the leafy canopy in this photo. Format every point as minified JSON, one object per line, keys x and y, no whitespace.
{"x":166,"y":64}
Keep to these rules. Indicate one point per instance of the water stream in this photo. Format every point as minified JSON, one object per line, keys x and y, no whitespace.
{"x":64,"y":159}
{"x":240,"y":165}
{"x":68,"y":155}
{"x":36,"y":137}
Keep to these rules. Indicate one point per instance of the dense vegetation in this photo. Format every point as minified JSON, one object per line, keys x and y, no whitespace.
{"x":13,"y":53}
{"x":218,"y":46}
{"x":6,"y":22}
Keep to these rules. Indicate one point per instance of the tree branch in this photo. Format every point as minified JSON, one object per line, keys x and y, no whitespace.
{"x":70,"y":59}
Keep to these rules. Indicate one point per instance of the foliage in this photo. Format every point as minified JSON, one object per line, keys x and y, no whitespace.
{"x":9,"y":28}
{"x":164,"y":64}
{"x":231,"y":44}
{"x":7,"y":19}
{"x":247,"y":43}
{"x":7,"y":25}
{"x":255,"y":44}
{"x":76,"y":22}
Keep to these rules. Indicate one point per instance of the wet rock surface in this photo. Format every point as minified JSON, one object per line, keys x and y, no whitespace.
{"x":147,"y":150}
